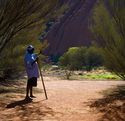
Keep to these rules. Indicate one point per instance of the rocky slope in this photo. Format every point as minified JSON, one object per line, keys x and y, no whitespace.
{"x":72,"y":29}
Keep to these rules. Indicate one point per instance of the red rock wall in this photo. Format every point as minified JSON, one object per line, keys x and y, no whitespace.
{"x":72,"y":29}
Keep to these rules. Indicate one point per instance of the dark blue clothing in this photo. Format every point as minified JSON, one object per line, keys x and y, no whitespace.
{"x":31,"y":68}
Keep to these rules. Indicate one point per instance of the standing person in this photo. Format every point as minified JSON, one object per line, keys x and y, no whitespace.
{"x":32,"y":70}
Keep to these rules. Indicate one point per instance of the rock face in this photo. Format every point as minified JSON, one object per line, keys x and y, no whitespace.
{"x":72,"y":29}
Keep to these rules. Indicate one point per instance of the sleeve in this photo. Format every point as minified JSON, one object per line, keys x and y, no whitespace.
{"x":35,"y":56}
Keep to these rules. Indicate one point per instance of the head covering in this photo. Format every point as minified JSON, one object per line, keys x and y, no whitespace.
{"x":30,"y":48}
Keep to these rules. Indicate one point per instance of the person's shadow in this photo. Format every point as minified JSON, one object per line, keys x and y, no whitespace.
{"x":19,"y":103}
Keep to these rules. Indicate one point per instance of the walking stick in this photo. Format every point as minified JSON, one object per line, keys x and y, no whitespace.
{"x":42,"y":80}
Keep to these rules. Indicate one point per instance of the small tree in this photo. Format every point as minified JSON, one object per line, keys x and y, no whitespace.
{"x":109,"y":30}
{"x":69,"y":62}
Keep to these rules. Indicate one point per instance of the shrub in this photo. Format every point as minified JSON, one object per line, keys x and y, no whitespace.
{"x":79,"y":58}
{"x":109,"y":30}
{"x":93,"y":58}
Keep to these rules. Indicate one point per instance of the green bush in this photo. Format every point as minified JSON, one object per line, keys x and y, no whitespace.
{"x":79,"y":58}
{"x":73,"y":59}
{"x":93,"y":58}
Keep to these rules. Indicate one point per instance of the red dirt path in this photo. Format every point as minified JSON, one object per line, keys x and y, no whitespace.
{"x":68,"y":101}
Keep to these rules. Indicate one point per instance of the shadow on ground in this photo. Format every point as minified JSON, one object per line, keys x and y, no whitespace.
{"x":28,"y":110}
{"x":19,"y":103}
{"x":112,"y":105}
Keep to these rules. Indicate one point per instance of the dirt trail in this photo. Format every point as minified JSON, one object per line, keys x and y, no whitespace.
{"x":68,"y":101}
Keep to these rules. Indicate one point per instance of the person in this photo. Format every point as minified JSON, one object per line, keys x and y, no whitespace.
{"x":32,"y":70}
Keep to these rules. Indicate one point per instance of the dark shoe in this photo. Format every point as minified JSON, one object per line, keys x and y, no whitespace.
{"x":28,"y":98}
{"x":32,"y":96}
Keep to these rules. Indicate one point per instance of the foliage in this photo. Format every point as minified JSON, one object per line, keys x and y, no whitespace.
{"x":93,"y":58}
{"x":71,"y":59}
{"x":16,"y":15}
{"x":101,"y":76}
{"x":78,"y":58}
{"x":109,"y":30}
{"x":12,"y":58}
{"x":67,"y":61}
{"x":22,"y":28}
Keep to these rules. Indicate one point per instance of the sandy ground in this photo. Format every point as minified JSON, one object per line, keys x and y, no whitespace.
{"x":68,"y":101}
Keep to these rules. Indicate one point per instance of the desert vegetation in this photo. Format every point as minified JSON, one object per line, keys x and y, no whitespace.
{"x":109,"y":30}
{"x":22,"y":28}
{"x":80,"y":58}
{"x":84,"y":83}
